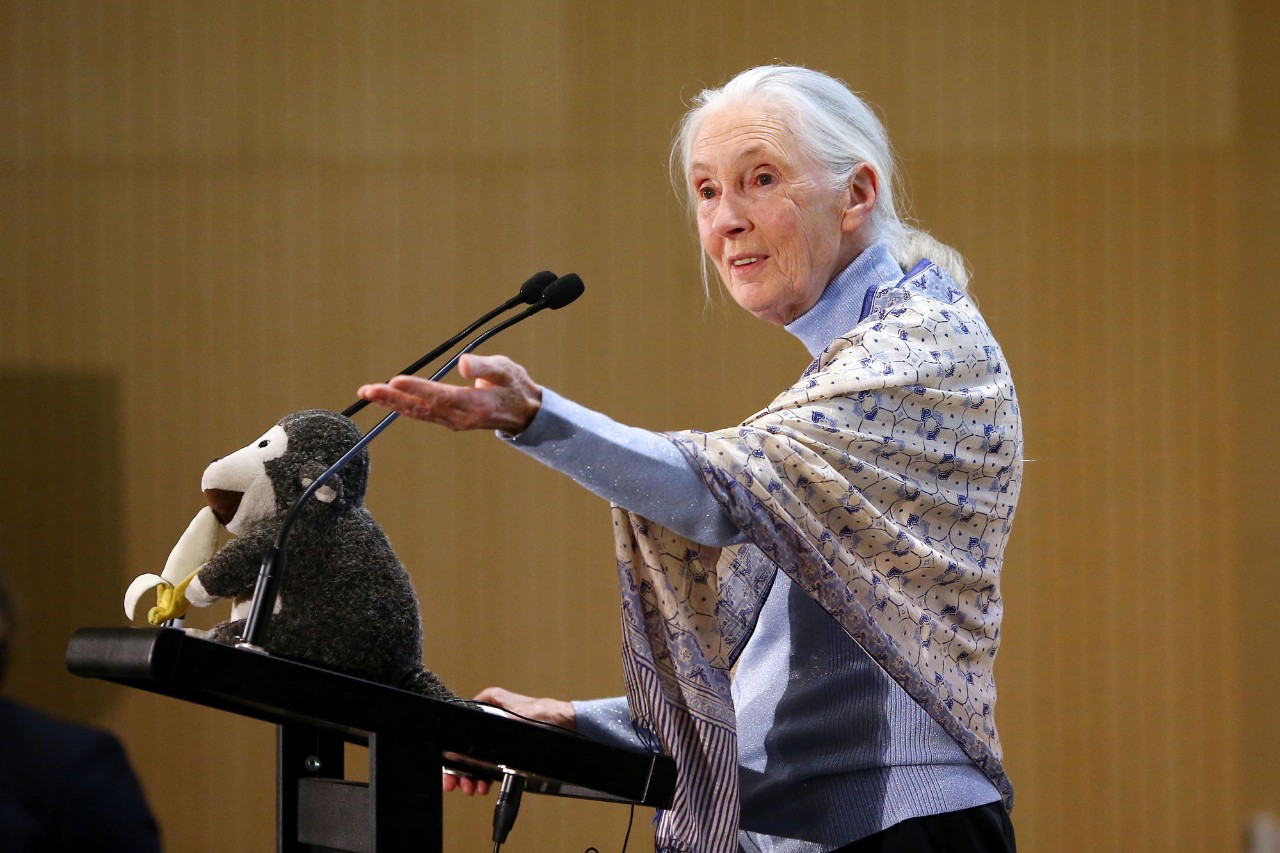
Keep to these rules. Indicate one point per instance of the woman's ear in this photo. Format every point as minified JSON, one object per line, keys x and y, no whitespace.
{"x":864,"y":189}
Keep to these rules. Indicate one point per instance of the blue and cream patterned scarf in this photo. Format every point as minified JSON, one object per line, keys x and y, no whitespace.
{"x":884,"y":484}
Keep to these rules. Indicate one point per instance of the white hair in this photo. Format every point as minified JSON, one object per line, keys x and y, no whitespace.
{"x":839,"y":131}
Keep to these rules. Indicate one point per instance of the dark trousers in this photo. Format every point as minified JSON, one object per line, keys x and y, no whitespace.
{"x":981,"y":829}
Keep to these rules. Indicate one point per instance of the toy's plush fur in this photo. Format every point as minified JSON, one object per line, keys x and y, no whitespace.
{"x":346,"y":602}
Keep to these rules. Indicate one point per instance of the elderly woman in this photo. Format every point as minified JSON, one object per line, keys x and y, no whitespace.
{"x":841,"y":548}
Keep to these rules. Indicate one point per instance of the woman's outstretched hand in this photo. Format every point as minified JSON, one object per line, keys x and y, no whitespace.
{"x":503,"y":397}
{"x":552,"y":711}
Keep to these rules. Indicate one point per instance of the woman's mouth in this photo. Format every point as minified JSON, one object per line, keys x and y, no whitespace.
{"x":746,"y":263}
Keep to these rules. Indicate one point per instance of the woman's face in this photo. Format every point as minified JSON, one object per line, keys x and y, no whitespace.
{"x":768,"y":218}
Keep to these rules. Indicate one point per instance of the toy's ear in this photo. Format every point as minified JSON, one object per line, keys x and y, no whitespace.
{"x":332,"y":489}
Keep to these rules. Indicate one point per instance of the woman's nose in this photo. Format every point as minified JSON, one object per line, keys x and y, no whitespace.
{"x":731,"y":216}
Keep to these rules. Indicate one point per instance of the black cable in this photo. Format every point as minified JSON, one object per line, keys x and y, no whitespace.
{"x":625,"y":838}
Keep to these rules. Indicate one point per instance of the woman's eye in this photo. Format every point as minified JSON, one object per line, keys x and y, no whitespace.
{"x":765,"y":179}
{"x":706,"y":192}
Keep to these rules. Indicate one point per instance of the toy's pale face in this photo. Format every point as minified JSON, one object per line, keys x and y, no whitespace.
{"x":238,"y":487}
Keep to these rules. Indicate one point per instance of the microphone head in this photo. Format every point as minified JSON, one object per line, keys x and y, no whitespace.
{"x":563,"y":290}
{"x":531,"y":291}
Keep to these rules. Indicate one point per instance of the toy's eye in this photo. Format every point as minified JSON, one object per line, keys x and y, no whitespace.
{"x":272,"y":444}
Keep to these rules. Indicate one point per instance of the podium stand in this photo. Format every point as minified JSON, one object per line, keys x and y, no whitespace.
{"x":410,"y":738}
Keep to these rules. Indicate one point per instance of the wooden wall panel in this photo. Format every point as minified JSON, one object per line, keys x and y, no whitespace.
{"x":230,"y":211}
{"x":1253,"y":310}
{"x":61,"y":538}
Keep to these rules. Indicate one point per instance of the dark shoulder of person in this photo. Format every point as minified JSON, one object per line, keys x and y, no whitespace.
{"x":67,"y":787}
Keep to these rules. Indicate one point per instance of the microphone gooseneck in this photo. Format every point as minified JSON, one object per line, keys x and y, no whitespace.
{"x":555,"y":295}
{"x":530,"y":292}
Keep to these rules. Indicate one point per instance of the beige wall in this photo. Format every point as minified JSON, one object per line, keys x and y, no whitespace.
{"x":212,"y":214}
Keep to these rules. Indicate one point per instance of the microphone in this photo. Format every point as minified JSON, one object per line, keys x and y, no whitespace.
{"x":530,"y":292}
{"x":558,"y":294}
{"x":554,"y":295}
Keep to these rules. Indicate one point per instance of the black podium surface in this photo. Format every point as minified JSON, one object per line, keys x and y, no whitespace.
{"x":410,"y":738}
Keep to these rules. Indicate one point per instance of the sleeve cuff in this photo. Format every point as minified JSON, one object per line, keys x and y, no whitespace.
{"x":549,"y":423}
{"x":607,"y":721}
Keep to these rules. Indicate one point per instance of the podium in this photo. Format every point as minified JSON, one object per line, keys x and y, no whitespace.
{"x":409,"y":737}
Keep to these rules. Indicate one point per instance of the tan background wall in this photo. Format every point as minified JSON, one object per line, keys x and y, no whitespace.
{"x":212,"y":214}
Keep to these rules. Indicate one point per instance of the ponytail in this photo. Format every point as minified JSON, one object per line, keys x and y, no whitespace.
{"x":909,"y":246}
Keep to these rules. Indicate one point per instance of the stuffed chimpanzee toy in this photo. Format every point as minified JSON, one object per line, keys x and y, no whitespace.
{"x":346,"y":603}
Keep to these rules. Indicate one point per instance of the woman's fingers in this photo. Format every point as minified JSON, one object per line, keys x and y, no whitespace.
{"x":503,"y":398}
{"x":494,"y":369}
{"x":465,"y":784}
{"x":417,"y":401}
{"x":553,"y":711}
{"x":450,"y":406}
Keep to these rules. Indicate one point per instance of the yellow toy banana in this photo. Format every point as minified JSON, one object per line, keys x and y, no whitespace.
{"x":193,"y":550}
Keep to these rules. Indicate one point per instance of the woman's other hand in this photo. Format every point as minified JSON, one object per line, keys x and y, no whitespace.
{"x":545,"y":710}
